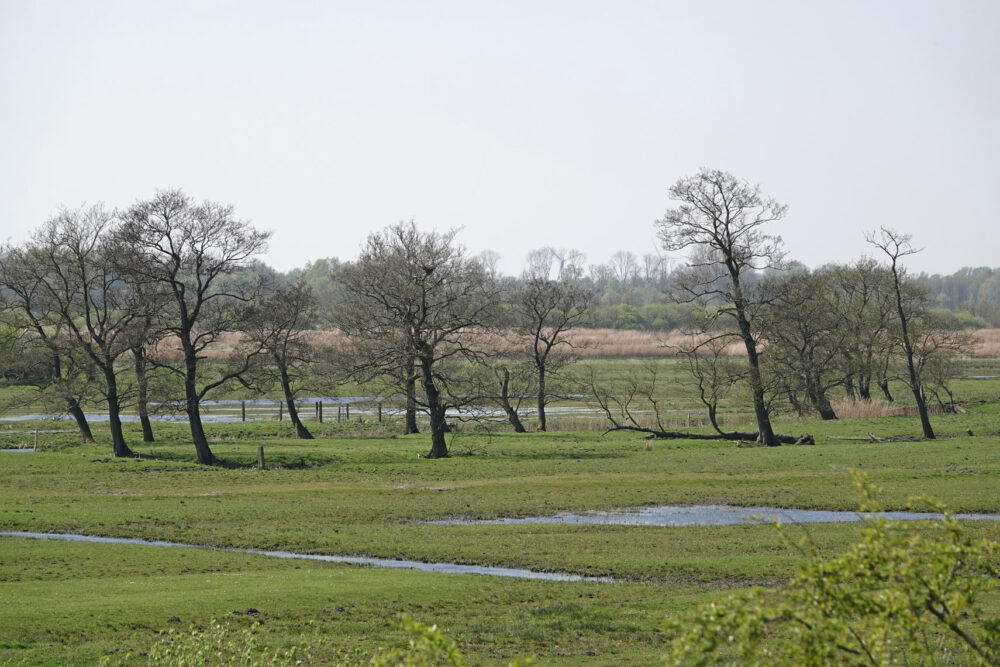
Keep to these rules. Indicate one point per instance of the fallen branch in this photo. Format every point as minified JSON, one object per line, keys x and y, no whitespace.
{"x":652,"y":433}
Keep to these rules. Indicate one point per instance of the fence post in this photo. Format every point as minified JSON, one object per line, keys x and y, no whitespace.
{"x":243,"y":411}
{"x":347,"y":412}
{"x":338,"y":413}
{"x":281,"y":411}
{"x":36,"y":439}
{"x":320,"y":406}
{"x":380,"y":412}
{"x":260,"y":456}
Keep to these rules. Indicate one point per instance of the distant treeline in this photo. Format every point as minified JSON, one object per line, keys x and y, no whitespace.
{"x":633,"y":292}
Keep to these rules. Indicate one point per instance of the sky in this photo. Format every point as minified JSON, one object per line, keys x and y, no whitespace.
{"x":522,"y":123}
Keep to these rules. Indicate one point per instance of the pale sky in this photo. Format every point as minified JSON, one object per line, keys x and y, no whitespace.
{"x":525,"y":123}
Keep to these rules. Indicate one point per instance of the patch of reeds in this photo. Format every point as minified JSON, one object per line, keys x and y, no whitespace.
{"x":848,"y":409}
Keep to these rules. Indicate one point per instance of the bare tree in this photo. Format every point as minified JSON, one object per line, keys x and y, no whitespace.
{"x":544,"y":310}
{"x":723,"y":216}
{"x":806,"y":338}
{"x":75,"y":263}
{"x":624,"y":266}
{"x":865,"y":304}
{"x":277,"y":324}
{"x":416,"y":295}
{"x":195,"y":253}
{"x":539,"y":263}
{"x":714,"y":372}
{"x":637,"y":404}
{"x":896,"y":246}
{"x":28,"y":308}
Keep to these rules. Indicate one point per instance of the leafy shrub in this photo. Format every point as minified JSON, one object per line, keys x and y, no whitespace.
{"x":907,"y":592}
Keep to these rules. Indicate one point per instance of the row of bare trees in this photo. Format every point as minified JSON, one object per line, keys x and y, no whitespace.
{"x":126,"y":303}
{"x":132,"y":303}
{"x":805,"y":333}
{"x":117,"y":302}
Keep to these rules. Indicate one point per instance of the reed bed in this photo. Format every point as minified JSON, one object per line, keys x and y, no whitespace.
{"x":584,"y":343}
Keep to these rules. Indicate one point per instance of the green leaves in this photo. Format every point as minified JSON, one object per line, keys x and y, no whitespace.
{"x":907,"y":592}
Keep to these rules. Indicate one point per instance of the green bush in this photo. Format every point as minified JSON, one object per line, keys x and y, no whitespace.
{"x":907,"y":592}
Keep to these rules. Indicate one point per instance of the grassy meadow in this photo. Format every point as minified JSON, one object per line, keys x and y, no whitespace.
{"x":363,"y":489}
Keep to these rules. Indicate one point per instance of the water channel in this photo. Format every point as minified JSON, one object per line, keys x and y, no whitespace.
{"x":443,"y":568}
{"x":706,"y":515}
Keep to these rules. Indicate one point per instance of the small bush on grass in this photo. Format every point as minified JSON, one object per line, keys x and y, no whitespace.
{"x":907,"y":592}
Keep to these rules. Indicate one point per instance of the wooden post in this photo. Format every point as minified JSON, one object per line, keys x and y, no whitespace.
{"x":380,"y":412}
{"x":320,"y":405}
{"x":688,"y":420}
{"x":347,"y":412}
{"x":36,"y":439}
{"x":338,"y":413}
{"x":281,"y":411}
{"x":243,"y":410}
{"x":260,"y":456}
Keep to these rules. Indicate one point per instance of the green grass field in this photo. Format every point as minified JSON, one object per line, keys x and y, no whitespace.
{"x":363,"y":490}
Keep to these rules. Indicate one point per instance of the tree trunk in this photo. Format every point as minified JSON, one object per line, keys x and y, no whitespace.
{"x":713,"y":417}
{"x":796,"y":403}
{"x":883,"y":384}
{"x":301,"y":431}
{"x":915,"y":386}
{"x":73,"y":405}
{"x":849,"y":388}
{"x":804,"y":439}
{"x":512,"y":416}
{"x":865,"y":388}
{"x":925,"y":420}
{"x":819,"y":400}
{"x":410,"y":425}
{"x":193,"y":409}
{"x":81,"y":419}
{"x":766,"y":433}
{"x":439,"y":448}
{"x":142,"y":393}
{"x":118,"y":443}
{"x":541,"y":397}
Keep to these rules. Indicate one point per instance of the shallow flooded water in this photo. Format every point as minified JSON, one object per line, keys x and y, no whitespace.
{"x":444,"y":568}
{"x":706,"y":515}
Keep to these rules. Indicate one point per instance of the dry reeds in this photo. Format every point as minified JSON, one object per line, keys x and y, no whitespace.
{"x":848,"y":409}
{"x":584,"y":343}
{"x":987,"y":342}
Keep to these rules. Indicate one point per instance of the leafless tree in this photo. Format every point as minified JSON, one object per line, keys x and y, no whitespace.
{"x":277,"y":324}
{"x":624,"y":266}
{"x":724,"y":216}
{"x":75,"y":259}
{"x":637,"y":404}
{"x":539,"y":263}
{"x":27,"y":308}
{"x":195,"y":253}
{"x":544,"y":311}
{"x":713,"y":371}
{"x":865,"y":304}
{"x":806,"y":338}
{"x":896,"y":246}
{"x":417,"y":295}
